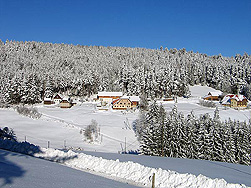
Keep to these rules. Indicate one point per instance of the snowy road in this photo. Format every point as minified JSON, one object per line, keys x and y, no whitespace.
{"x":21,"y":171}
{"x":232,"y":173}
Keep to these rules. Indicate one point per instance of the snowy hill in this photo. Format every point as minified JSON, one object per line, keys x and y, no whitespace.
{"x":200,"y":91}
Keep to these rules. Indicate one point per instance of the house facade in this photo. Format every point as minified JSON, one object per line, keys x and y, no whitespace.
{"x":213,"y":96}
{"x":125,"y":102}
{"x":57,"y":99}
{"x":235,"y":101}
{"x":122,"y":104}
{"x":65,"y":103}
{"x":135,"y":100}
{"x":48,"y":101}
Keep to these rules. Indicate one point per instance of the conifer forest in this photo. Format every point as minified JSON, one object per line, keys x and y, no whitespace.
{"x":174,"y":135}
{"x":32,"y":70}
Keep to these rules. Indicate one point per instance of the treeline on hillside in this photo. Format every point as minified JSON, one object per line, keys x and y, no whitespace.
{"x":31,"y":71}
{"x":173,"y":135}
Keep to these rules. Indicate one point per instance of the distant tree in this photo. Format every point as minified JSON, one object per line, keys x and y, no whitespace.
{"x":92,"y":131}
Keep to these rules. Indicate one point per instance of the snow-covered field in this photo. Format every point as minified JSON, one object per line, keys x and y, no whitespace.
{"x":192,"y":104}
{"x":61,"y":127}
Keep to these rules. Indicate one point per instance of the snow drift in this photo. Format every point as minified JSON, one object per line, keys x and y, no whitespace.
{"x":131,"y":172}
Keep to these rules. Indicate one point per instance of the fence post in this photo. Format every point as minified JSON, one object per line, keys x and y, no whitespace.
{"x":25,"y":138}
{"x":125,"y":145}
{"x":48,"y":144}
{"x":153,"y":180}
{"x":64,"y":144}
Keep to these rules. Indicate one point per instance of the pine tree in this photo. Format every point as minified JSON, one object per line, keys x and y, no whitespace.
{"x":150,"y":134}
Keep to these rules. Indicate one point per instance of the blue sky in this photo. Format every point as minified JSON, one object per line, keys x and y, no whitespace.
{"x":206,"y":26}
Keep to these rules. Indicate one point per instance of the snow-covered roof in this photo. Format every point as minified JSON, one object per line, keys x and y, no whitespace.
{"x":47,"y":99}
{"x":115,"y":101}
{"x":65,"y":99}
{"x":131,"y":98}
{"x":110,"y":94}
{"x":215,"y":93}
{"x":227,"y":98}
{"x":57,"y":96}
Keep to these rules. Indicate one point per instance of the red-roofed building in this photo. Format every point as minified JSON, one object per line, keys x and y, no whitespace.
{"x":234,"y":101}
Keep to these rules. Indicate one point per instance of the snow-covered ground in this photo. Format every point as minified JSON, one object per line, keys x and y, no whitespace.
{"x":192,"y":104}
{"x":59,"y":125}
{"x":232,"y":173}
{"x":62,"y":127}
{"x":133,"y":172}
{"x":22,"y":171}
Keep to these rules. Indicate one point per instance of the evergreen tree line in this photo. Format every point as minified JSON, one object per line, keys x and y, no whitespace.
{"x":31,"y":71}
{"x":174,"y":135}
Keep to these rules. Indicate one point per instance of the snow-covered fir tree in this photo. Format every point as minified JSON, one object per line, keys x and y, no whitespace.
{"x":173,"y":135}
{"x":84,"y":70}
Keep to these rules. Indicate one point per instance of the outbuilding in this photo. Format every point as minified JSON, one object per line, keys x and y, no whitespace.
{"x":65,"y":103}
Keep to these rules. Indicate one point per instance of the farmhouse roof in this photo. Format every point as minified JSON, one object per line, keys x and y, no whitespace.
{"x":227,"y":98}
{"x":65,"y":99}
{"x":132,"y":98}
{"x":109,"y":94}
{"x":215,"y":93}
{"x":115,"y":101}
{"x":57,"y":96}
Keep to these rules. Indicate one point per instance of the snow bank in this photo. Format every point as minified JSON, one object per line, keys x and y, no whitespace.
{"x":20,"y":147}
{"x":132,"y":172}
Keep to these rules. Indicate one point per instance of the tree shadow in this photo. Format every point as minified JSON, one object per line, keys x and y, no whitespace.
{"x":9,"y":170}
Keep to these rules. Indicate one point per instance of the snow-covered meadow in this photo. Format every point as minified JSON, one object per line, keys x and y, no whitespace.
{"x":60,"y":128}
{"x":186,"y":105}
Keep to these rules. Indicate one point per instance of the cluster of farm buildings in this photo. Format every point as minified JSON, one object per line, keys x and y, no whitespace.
{"x":63,"y":102}
{"x":118,"y":101}
{"x":230,"y":100}
{"x":115,"y":100}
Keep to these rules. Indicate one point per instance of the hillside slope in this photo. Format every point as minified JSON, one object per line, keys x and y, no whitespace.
{"x":22,"y":171}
